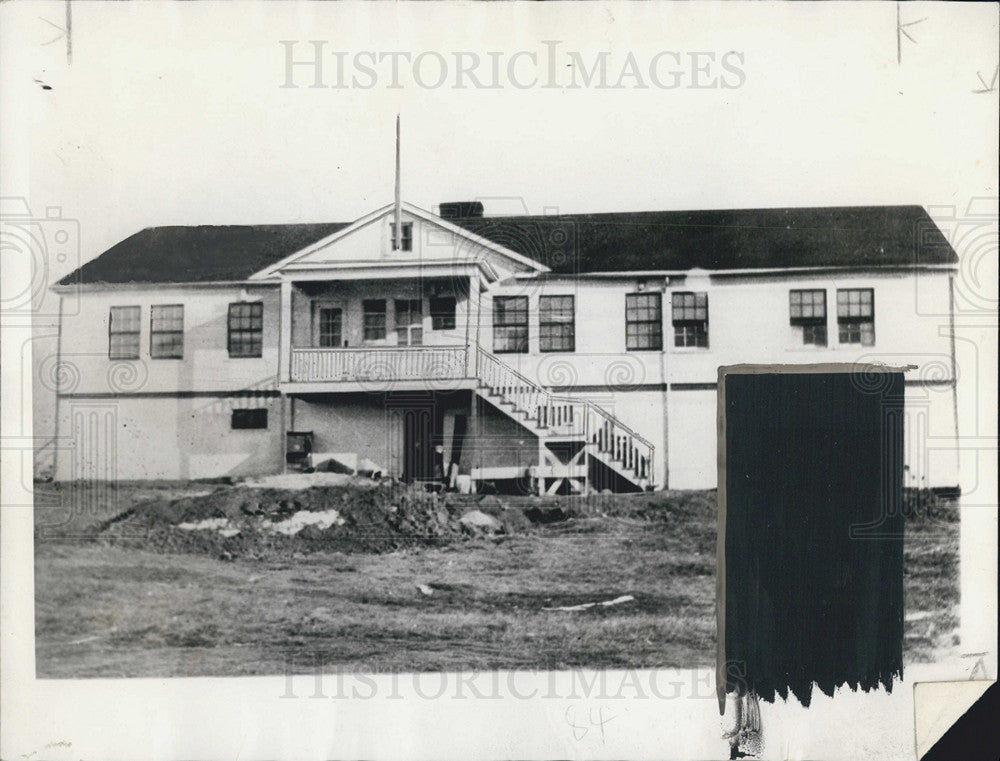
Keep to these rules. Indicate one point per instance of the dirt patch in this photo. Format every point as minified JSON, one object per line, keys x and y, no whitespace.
{"x":114,"y":612}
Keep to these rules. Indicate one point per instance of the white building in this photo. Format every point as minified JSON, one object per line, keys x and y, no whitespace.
{"x":533,"y":352}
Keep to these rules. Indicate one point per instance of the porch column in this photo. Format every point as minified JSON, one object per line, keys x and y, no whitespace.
{"x":285,"y":333}
{"x":470,"y":448}
{"x":472,"y":328}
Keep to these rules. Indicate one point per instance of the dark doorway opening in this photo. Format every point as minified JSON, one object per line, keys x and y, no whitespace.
{"x":418,"y":444}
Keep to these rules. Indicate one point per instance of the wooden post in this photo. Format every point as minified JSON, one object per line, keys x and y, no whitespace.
{"x":541,"y":467}
{"x":472,"y":338}
{"x":285,"y":333}
{"x":473,"y":433}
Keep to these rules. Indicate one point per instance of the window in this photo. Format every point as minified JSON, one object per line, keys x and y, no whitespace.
{"x":690,"y":319}
{"x":643,"y":321}
{"x":406,"y":236}
{"x":443,"y":312}
{"x":166,"y":332}
{"x":246,"y":329}
{"x":510,"y":324}
{"x":556,"y":324}
{"x":856,"y":316}
{"x":330,"y":327}
{"x":409,"y":322}
{"x":807,"y":309}
{"x":253,"y":418}
{"x":374,"y":319}
{"x":123,"y":340}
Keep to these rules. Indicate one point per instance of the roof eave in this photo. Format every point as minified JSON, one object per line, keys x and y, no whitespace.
{"x":610,"y":274}
{"x":63,"y":288}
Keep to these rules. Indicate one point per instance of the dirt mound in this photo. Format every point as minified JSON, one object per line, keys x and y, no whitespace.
{"x":355,"y":516}
{"x":352,"y":514}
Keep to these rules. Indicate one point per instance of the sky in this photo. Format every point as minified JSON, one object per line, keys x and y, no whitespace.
{"x":175,"y":114}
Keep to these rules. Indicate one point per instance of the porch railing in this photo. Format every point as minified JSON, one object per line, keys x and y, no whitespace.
{"x":380,"y":365}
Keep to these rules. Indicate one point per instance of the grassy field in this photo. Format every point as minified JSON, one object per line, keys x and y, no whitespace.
{"x":109,"y":611}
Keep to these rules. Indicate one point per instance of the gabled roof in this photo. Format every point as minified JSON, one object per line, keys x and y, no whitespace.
{"x":410,"y":212}
{"x":860,"y":236}
{"x":863,"y":236}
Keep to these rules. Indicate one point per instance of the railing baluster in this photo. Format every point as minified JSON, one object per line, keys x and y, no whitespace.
{"x":609,"y":437}
{"x":407,"y":363}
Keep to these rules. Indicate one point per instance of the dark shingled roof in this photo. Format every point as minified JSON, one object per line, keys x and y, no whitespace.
{"x":721,"y":240}
{"x":572,"y":243}
{"x":198,"y":254}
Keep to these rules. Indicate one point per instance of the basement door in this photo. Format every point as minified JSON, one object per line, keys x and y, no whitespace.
{"x":416,"y":423}
{"x":418,"y":446}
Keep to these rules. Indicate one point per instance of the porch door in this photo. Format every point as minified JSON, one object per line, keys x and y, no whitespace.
{"x":409,"y":322}
{"x":330,"y":327}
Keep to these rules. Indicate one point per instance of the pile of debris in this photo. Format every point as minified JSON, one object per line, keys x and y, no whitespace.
{"x":347,"y":514}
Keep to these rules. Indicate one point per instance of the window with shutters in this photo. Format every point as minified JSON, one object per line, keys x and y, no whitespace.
{"x":405,"y":239}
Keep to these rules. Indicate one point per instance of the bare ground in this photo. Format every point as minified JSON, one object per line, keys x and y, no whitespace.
{"x":106,"y":610}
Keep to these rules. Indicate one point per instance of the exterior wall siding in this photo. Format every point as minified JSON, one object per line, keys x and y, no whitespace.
{"x":164,"y":437}
{"x":350,"y":427}
{"x":748,"y":323}
{"x":171,"y":417}
{"x":691,"y":444}
{"x":500,"y":442}
{"x":205,"y":366}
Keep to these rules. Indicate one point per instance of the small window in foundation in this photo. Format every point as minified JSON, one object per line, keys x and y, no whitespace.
{"x":253,"y":418}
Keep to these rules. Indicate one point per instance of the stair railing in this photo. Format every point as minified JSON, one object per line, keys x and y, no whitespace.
{"x":555,"y":413}
{"x":568,"y":416}
{"x":618,"y":442}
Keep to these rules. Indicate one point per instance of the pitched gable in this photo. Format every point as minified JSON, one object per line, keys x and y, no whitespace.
{"x":430,"y":241}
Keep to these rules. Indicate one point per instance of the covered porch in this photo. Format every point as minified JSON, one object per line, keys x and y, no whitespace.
{"x":361,"y":307}
{"x":379,"y":334}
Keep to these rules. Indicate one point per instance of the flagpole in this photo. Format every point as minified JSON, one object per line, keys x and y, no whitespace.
{"x":397,"y":226}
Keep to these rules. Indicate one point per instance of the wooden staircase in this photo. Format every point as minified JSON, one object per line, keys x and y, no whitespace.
{"x":572,"y":433}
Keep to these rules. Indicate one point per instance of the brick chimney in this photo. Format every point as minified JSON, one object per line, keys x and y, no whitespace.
{"x":461,"y":209}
